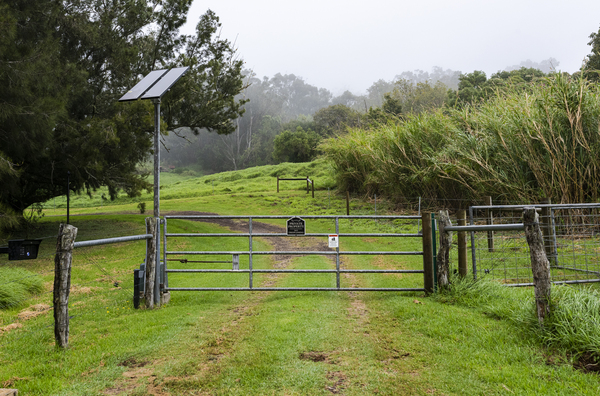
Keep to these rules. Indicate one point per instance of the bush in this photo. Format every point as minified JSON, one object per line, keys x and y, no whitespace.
{"x":297,"y":146}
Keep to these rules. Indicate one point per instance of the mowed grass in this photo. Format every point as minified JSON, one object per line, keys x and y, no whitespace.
{"x":276,"y":342}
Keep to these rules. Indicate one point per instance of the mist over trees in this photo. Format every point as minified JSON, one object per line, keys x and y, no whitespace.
{"x":63,"y":66}
{"x":286,"y":104}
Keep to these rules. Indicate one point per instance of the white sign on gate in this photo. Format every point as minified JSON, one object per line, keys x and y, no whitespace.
{"x":334,"y":241}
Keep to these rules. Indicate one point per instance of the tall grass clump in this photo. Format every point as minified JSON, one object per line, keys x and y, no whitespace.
{"x":520,"y":145}
{"x":16,"y":285}
{"x":573,"y":325}
{"x":574,"y":322}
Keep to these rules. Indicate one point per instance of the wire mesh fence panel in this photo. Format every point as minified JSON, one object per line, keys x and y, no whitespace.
{"x":571,"y":241}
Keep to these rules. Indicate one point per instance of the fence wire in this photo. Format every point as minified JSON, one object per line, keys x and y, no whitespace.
{"x":101,"y":281}
{"x":571,"y":240}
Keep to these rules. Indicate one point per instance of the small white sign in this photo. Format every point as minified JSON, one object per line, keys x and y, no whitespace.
{"x":334,"y":241}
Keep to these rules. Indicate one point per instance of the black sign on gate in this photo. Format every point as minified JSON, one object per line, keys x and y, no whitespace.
{"x":296,"y":226}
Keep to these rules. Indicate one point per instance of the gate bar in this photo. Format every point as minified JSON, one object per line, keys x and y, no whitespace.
{"x":286,"y":253}
{"x":267,"y":234}
{"x":323,"y":271}
{"x":211,"y":217}
{"x":291,"y":289}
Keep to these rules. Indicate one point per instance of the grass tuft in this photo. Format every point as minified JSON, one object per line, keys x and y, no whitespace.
{"x":16,"y":285}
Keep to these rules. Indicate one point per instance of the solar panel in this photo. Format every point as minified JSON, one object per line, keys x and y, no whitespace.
{"x":140,"y":88}
{"x":165,"y":83}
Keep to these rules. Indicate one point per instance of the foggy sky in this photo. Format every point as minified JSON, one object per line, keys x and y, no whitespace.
{"x":349,"y":44}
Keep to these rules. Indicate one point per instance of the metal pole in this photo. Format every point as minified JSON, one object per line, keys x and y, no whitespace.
{"x":156,"y":157}
{"x":462,"y":244}
{"x":473,"y":247}
{"x":337,"y":253}
{"x":419,"y":213}
{"x":427,"y":253}
{"x":434,"y":248}
{"x":250,"y":247}
{"x":165,"y":278}
{"x":157,"y":266}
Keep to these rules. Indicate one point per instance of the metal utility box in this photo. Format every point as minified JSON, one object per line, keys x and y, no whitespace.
{"x":22,"y":249}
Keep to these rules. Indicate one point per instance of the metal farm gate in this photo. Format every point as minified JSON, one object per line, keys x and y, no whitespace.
{"x":295,"y":228}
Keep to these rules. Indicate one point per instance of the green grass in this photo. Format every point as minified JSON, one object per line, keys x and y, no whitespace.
{"x":277,"y":342}
{"x":18,"y":285}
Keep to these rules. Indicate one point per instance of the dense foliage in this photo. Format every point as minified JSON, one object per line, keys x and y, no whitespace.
{"x":63,"y":66}
{"x":519,"y":145}
{"x":592,"y":64}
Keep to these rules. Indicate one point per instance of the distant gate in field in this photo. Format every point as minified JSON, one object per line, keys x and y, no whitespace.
{"x":411,"y":223}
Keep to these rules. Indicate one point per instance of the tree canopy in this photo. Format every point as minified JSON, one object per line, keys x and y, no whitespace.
{"x":592,"y":64}
{"x":63,"y":66}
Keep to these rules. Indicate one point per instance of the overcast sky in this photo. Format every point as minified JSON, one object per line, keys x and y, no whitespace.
{"x":348,"y":44}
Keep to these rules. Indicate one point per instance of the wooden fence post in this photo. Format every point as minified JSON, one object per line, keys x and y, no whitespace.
{"x":443,"y":256}
{"x":150,"y":262}
{"x":547,"y":231}
{"x":540,"y":265}
{"x":461,"y":216}
{"x":489,"y":219}
{"x":62,"y":282}
{"x":347,"y":203}
{"x":277,"y":183}
{"x":307,"y":185}
{"x":427,"y":252}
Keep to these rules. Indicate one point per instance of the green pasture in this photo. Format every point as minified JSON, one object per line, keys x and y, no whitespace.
{"x":276,"y":342}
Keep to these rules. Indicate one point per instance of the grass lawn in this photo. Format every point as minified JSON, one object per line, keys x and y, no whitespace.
{"x":263,"y":343}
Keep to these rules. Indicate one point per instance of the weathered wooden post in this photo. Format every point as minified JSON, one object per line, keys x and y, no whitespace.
{"x":277,"y":183}
{"x":428,"y":278}
{"x":151,"y":228}
{"x":62,"y":282}
{"x":313,"y":188}
{"x":540,"y":266}
{"x":547,"y":231}
{"x":307,"y":185}
{"x":461,"y":216}
{"x":489,"y":220}
{"x":443,"y":256}
{"x":347,"y":203}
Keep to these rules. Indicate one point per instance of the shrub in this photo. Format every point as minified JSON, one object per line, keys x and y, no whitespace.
{"x":297,"y":146}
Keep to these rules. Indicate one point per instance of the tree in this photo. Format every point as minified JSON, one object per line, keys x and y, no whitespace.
{"x":335,"y":119}
{"x":475,"y":88}
{"x":295,"y":146}
{"x":63,"y":68}
{"x":416,"y":98}
{"x":592,"y":64}
{"x":546,"y":66}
